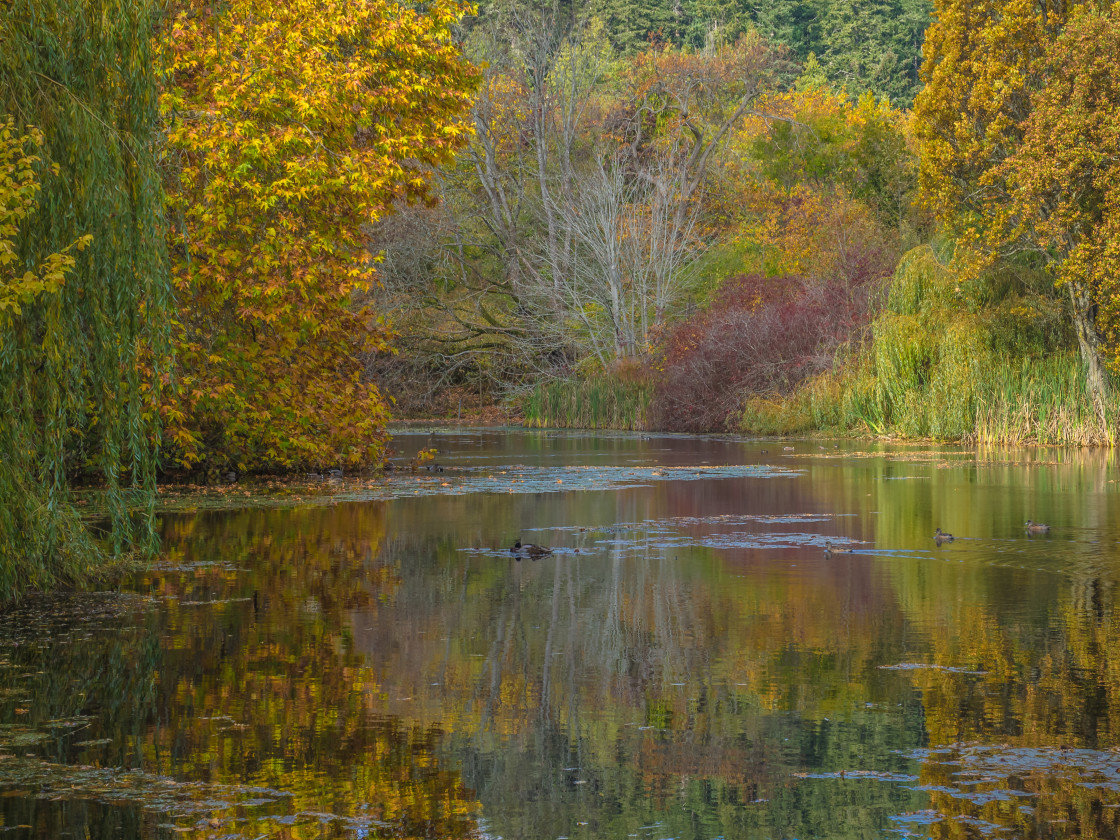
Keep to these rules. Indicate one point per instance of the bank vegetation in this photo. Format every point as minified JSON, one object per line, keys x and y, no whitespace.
{"x":631,"y":240}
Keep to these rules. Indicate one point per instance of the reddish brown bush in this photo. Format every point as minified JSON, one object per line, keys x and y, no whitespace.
{"x":765,"y":335}
{"x":761,"y":335}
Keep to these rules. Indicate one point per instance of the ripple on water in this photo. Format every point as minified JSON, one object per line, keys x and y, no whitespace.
{"x":680,"y":532}
{"x":1091,"y":768}
{"x":922,"y":666}
{"x":1023,"y":780}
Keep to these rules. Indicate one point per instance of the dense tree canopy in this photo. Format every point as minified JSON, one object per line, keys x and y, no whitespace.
{"x":573,"y":213}
{"x":603,"y":194}
{"x":1014,"y":150}
{"x":862,"y":44}
{"x":290,"y":127}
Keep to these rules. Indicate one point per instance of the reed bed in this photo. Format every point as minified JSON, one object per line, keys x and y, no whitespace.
{"x":598,"y":403}
{"x":1011,"y":402}
{"x":934,"y":367}
{"x":1043,"y":401}
{"x":939,"y":369}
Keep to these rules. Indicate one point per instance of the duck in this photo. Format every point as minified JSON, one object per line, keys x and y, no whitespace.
{"x":529,"y":550}
{"x":942,"y":537}
{"x":829,"y":550}
{"x":1037,"y":528}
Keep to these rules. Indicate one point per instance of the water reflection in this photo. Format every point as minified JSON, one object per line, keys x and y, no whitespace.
{"x":688,"y":664}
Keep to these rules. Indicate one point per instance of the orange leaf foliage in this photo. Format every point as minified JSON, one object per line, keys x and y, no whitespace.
{"x":1065,"y":177}
{"x":290,"y":127}
{"x":982,"y":60}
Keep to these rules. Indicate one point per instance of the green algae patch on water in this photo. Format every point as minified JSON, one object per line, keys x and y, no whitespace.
{"x":189,"y":804}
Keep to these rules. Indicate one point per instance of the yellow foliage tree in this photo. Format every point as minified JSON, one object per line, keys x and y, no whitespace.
{"x":1064,"y":199}
{"x":982,"y":60}
{"x":988,"y":66}
{"x":830,"y":182}
{"x":19,"y":189}
{"x":291,"y":126}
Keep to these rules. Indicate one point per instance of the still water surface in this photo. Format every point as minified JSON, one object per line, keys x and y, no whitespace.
{"x":365,"y":658}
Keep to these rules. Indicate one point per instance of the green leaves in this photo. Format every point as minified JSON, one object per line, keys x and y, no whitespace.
{"x":19,"y":190}
{"x":83,"y":283}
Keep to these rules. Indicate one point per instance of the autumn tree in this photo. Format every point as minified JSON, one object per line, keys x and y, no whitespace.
{"x":826,"y":141}
{"x":987,"y":67}
{"x":575,"y":203}
{"x":982,"y":62}
{"x":1064,"y":182}
{"x":84,"y":289}
{"x":291,"y":127}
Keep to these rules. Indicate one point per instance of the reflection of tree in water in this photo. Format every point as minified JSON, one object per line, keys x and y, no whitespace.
{"x":607,"y":692}
{"x":246,"y":675}
{"x":564,"y":664}
{"x":1031,"y":744}
{"x":352,"y":657}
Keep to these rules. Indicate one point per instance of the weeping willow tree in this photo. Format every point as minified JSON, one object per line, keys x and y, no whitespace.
{"x":81,"y":353}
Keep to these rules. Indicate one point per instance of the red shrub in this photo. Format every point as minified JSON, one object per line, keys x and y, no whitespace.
{"x":761,"y":335}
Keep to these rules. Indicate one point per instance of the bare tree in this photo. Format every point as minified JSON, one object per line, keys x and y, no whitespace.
{"x":569,"y":223}
{"x":634,"y":216}
{"x":633,"y":241}
{"x":506,"y":248}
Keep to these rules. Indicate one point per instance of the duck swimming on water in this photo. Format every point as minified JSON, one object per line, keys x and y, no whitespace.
{"x":1037,"y":528}
{"x":942,"y":537}
{"x":529,"y":550}
{"x":829,"y":550}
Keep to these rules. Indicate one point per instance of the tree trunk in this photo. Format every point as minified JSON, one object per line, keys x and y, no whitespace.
{"x":1089,"y":340}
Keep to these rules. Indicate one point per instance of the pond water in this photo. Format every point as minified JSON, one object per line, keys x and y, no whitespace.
{"x":365,"y":658}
